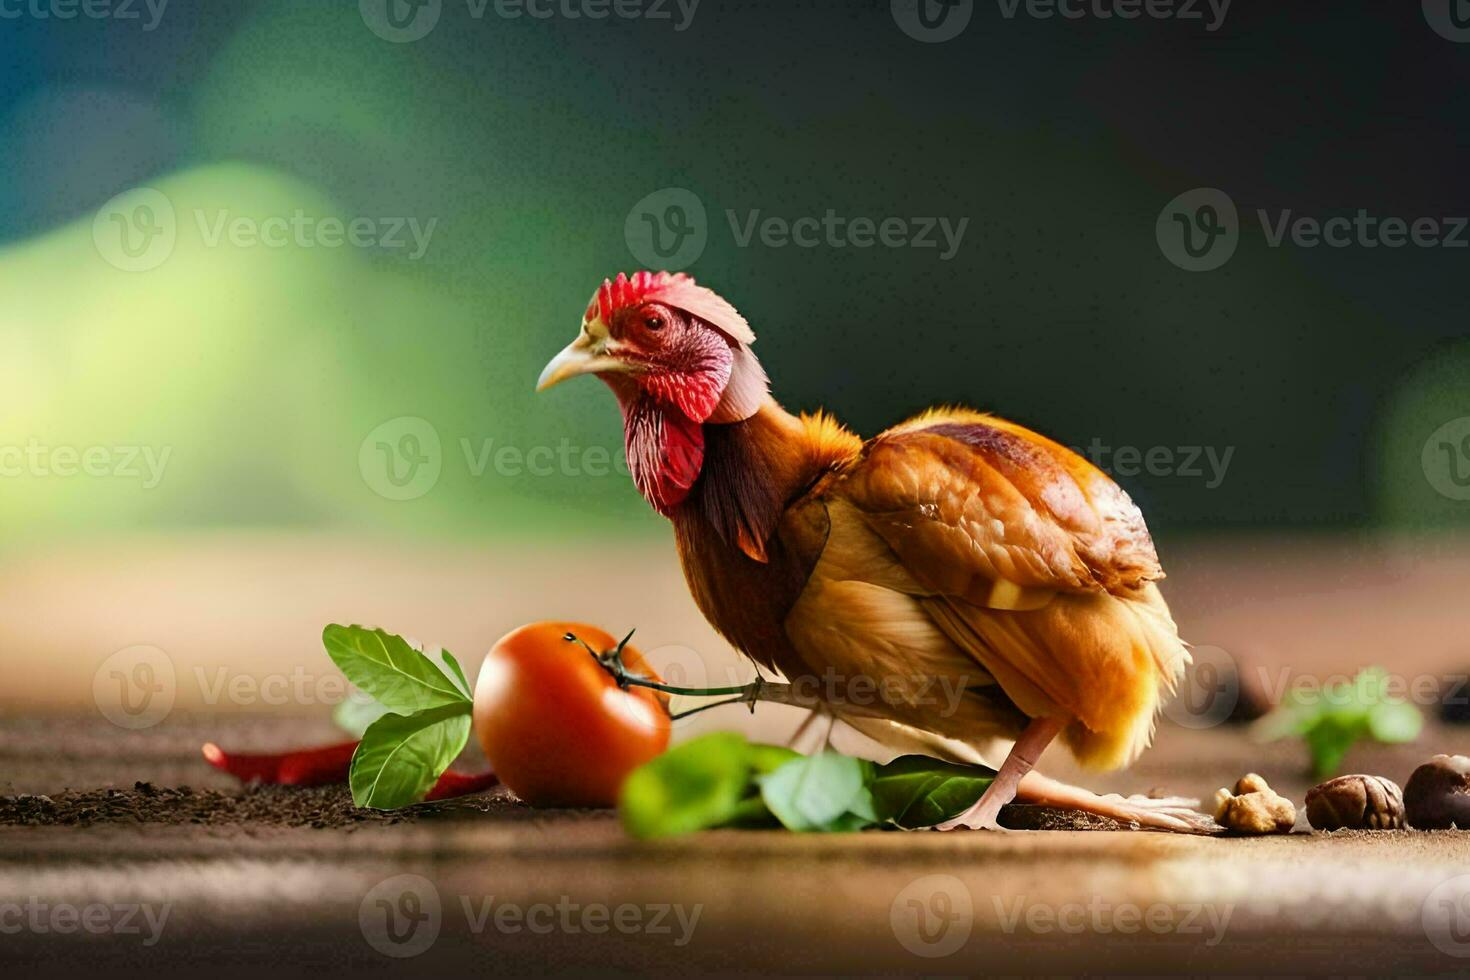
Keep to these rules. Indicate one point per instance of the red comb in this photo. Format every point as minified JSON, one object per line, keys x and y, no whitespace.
{"x":674,"y":289}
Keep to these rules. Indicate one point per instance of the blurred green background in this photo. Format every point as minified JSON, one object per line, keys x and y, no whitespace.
{"x":277,"y":378}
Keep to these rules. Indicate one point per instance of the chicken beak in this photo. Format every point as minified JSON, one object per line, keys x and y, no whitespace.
{"x":581,"y":356}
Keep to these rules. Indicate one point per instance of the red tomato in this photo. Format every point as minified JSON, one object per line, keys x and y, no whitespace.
{"x":554,"y":724}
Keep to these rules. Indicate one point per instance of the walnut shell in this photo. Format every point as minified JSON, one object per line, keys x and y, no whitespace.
{"x":1356,"y":802}
{"x":1437,"y":795}
{"x":1253,"y":807}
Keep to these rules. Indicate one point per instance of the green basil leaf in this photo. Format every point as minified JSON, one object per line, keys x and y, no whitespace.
{"x":917,"y":791}
{"x":401,"y":756}
{"x":456,"y":673}
{"x":691,"y":787}
{"x":357,"y":713}
{"x":1395,"y":721}
{"x":768,"y":758}
{"x":405,"y":680}
{"x":1329,"y":740}
{"x":812,"y":792}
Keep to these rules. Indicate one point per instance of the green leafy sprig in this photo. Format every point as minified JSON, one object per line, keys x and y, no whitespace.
{"x":417,"y":723}
{"x":1333,"y":717}
{"x":721,"y":780}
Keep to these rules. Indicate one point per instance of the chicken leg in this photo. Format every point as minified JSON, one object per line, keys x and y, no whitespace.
{"x":1028,"y":748}
{"x":1016,"y":781}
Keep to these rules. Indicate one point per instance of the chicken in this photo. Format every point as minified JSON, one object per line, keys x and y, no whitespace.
{"x":958,"y":585}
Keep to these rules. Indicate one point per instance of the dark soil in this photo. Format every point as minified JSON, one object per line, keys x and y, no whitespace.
{"x":288,"y":806}
{"x":330,"y":807}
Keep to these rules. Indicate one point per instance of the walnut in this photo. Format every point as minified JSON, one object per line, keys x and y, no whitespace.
{"x":1356,"y":803}
{"x":1437,"y":795}
{"x":1254,"y":808}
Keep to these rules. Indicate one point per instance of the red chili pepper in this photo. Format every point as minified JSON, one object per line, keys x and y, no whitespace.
{"x":305,"y":767}
{"x":324,"y":765}
{"x":452,"y":784}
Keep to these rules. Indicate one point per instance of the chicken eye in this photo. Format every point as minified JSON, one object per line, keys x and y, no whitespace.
{"x":654,"y":322}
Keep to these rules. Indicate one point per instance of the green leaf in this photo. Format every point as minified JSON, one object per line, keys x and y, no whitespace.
{"x":1332,"y":719}
{"x":357,"y":713}
{"x":403,"y":679}
{"x":768,"y":758}
{"x":815,"y":792}
{"x":1395,"y":721}
{"x":917,"y":791}
{"x":694,"y":786}
{"x":401,"y":756}
{"x":1329,"y":740}
{"x":456,"y":673}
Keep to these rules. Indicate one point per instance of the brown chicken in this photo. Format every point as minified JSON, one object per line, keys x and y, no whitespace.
{"x":958,"y":585}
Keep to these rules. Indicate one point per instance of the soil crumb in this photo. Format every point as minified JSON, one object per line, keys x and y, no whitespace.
{"x":288,"y":806}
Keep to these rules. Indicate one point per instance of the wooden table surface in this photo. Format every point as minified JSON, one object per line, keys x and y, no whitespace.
{"x":516,"y":890}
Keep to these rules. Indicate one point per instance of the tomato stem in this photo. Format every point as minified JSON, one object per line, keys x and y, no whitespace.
{"x":759,"y":689}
